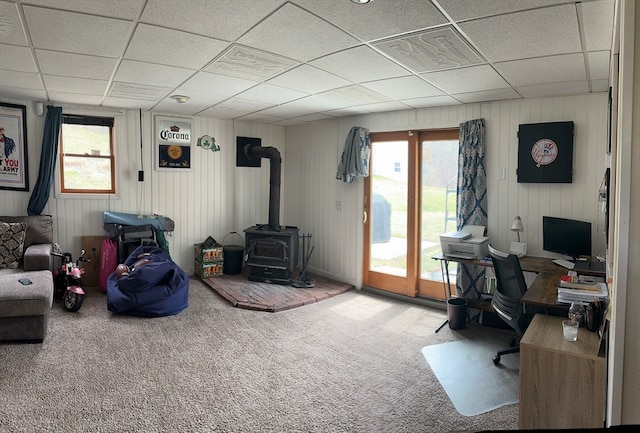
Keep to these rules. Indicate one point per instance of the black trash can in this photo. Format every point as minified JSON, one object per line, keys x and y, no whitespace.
{"x":232,"y":255}
{"x":457,"y":313}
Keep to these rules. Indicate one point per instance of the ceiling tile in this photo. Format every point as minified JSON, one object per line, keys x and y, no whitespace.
{"x":391,"y":18}
{"x":599,"y":64}
{"x":128,"y":103}
{"x":385,"y":106}
{"x":306,"y":37}
{"x":348,"y":111}
{"x":148,"y":73}
{"x":233,"y":108}
{"x":190,"y":108}
{"x":77,"y":33}
{"x":354,"y":95}
{"x":21,"y":59}
{"x":85,"y":86}
{"x":221,"y":19}
{"x":348,"y":64}
{"x":597,"y":18}
{"x":403,"y":88}
{"x":72,"y":98}
{"x":554,"y":89}
{"x":434,"y":101}
{"x":465,"y":9}
{"x":488,"y":95}
{"x":21,"y":80}
{"x":75,"y":65}
{"x":11,"y":30}
{"x":431,"y":50}
{"x":22,"y":93}
{"x":271,"y":94}
{"x":463,"y":80}
{"x":137,"y":91}
{"x":533,"y":33}
{"x":215,"y":85}
{"x":260,"y":118}
{"x":309,"y":79}
{"x":172,"y":47}
{"x":543,"y":70}
{"x":249,"y":63}
{"x":599,"y":85}
{"x":125,"y":9}
{"x":320,"y":102}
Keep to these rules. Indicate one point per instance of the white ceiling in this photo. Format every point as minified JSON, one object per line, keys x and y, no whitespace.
{"x":287,"y":62}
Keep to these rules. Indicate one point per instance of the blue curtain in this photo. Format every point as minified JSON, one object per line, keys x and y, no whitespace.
{"x":355,"y":156}
{"x":471,"y":202}
{"x":48,"y":156}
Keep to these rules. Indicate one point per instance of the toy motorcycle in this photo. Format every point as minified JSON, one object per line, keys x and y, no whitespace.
{"x":68,"y":279}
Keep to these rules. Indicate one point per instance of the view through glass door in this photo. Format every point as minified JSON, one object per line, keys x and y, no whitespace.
{"x":410,"y":199}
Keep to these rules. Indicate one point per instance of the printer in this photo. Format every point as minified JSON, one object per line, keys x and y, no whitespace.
{"x":468,"y":243}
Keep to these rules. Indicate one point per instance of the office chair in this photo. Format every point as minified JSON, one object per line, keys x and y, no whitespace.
{"x":506,"y":300}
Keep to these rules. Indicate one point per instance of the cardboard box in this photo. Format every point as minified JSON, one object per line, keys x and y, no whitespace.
{"x":209,"y":255}
{"x":92,"y":245}
{"x":208,"y":270}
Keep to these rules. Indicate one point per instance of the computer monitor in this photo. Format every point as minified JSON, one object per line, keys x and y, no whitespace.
{"x":566,"y":236}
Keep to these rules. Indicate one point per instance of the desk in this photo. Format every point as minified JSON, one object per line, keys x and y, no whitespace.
{"x":562,"y":383}
{"x":543,"y":291}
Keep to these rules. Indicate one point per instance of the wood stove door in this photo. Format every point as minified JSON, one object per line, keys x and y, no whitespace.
{"x":407,"y":205}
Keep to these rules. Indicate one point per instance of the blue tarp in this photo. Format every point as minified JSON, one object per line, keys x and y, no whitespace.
{"x":158,"y":222}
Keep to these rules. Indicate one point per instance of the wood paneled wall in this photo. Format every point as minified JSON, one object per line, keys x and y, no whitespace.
{"x":314,"y":150}
{"x":216,"y":197}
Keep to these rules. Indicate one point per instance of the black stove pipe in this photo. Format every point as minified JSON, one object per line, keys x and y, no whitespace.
{"x":253,"y":151}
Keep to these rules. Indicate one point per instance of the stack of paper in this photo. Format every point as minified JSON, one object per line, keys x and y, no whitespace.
{"x":582,"y":292}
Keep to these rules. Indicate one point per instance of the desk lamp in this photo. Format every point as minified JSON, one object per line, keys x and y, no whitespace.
{"x":518,"y":248}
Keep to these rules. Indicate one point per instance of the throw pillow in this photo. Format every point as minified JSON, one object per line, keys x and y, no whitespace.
{"x":11,"y":244}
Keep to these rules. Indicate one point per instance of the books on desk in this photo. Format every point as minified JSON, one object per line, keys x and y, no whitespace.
{"x":584,"y":292}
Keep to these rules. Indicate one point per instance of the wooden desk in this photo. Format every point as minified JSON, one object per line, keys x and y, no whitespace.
{"x":543,"y":291}
{"x":562,"y":383}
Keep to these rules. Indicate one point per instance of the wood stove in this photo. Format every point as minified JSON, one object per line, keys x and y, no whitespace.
{"x":272,"y":256}
{"x":271,"y":250}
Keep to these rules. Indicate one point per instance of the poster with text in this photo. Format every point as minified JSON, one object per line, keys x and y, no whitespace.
{"x":14,"y":164}
{"x":173,"y":143}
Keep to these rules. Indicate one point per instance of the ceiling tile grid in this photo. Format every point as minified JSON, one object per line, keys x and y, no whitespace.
{"x":287,"y":62}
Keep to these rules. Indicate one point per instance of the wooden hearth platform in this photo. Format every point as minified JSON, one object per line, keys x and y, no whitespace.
{"x":254,"y":295}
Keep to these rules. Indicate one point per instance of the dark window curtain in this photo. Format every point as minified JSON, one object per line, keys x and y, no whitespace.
{"x":48,"y":156}
{"x":355,"y":156}
{"x":471,"y":202}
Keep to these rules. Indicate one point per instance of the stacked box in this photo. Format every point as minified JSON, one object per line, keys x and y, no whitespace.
{"x":209,"y":255}
{"x":208,"y":270}
{"x":209,"y":261}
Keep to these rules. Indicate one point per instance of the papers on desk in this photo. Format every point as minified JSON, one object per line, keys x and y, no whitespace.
{"x":580,"y":293}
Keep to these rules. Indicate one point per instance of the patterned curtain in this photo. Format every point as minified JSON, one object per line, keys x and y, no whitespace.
{"x":355,"y":156}
{"x":471,"y":202}
{"x":48,"y":156}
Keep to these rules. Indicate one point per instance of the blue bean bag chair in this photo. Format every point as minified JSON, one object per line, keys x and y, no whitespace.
{"x":154,"y":287}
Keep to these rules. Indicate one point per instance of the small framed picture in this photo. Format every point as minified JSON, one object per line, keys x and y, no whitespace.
{"x":14,"y":162}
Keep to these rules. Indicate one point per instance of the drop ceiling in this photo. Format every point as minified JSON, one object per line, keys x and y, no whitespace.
{"x":288,"y":62}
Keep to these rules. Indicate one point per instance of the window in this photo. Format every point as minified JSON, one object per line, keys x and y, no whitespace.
{"x":87,"y":164}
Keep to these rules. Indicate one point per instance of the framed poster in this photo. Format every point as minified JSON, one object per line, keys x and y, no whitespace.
{"x":545,"y":152}
{"x":14,"y":163}
{"x":172,"y":141}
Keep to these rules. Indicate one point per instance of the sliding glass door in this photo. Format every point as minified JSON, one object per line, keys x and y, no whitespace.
{"x":409,"y":201}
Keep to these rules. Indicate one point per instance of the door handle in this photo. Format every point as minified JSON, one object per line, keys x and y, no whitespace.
{"x":365,"y":216}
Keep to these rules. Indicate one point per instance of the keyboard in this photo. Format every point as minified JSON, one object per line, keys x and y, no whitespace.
{"x":564,"y":263}
{"x":586,"y":265}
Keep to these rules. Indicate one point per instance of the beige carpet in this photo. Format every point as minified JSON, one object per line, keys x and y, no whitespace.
{"x":351,"y":363}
